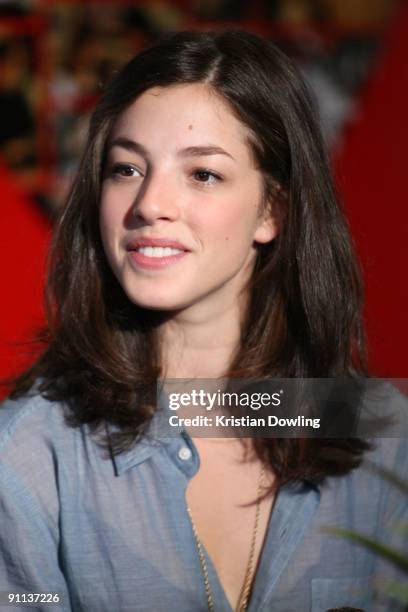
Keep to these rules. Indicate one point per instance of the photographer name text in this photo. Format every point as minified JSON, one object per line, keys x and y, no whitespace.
{"x":245,"y":421}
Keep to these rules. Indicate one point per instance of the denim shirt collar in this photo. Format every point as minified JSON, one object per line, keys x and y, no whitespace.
{"x":159,"y":433}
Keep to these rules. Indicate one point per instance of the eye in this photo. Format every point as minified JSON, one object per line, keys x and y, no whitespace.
{"x":121,"y":171}
{"x":206,"y":176}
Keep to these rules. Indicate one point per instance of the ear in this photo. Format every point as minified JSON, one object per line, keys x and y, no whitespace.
{"x":271,"y":216}
{"x":267,"y":229}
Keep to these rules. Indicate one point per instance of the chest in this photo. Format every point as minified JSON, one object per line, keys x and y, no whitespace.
{"x":230,"y":509}
{"x":127,"y":542}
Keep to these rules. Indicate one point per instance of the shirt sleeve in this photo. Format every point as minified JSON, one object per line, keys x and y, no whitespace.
{"x":29,"y":509}
{"x":28,"y":547}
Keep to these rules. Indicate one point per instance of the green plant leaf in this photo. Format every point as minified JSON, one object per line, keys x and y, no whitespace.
{"x":401,"y":528}
{"x":395,"y":480}
{"x":397,"y":590}
{"x":394,"y":556}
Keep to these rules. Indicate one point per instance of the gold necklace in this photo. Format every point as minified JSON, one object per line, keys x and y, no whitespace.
{"x":243,"y":598}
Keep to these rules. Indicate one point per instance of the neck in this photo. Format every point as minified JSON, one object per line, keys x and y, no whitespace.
{"x":200,"y":344}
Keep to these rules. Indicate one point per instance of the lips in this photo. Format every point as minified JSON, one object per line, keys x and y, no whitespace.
{"x":155,"y":253}
{"x":134,"y":245}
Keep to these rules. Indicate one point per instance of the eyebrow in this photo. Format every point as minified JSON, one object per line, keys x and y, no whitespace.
{"x":197,"y":151}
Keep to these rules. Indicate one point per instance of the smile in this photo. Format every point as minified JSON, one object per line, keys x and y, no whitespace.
{"x":158,"y":251}
{"x":156,"y":257}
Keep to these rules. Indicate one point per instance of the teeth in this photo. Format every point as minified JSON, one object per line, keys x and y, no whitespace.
{"x":158,"y":251}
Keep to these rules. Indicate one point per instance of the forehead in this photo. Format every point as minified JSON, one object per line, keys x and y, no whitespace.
{"x":165,"y":118}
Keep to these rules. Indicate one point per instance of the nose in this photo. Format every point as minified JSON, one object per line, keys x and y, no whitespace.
{"x":157,"y":198}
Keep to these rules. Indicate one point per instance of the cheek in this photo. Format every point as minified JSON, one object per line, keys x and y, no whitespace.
{"x":230,"y":222}
{"x":115,"y":208}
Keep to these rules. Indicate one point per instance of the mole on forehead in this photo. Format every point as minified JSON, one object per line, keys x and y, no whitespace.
{"x":190,"y":127}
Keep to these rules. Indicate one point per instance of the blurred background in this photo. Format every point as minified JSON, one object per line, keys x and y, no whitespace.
{"x":56,"y":57}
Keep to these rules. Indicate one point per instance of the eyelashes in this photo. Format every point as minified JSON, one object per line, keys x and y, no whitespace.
{"x":124,"y":171}
{"x":202,"y":176}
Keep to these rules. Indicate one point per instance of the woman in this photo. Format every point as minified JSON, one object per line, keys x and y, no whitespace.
{"x":201,"y":239}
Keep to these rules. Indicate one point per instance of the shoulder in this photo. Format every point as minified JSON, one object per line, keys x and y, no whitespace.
{"x":42,"y":458}
{"x":390,"y":443}
{"x":371,"y":498}
{"x":381,"y":477}
{"x":31,"y":433}
{"x":30,"y":421}
{"x":37,"y":447}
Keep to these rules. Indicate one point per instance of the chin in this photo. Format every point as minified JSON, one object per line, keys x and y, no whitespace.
{"x":155,"y":302}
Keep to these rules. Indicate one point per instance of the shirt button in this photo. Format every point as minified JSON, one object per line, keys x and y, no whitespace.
{"x":184,"y":453}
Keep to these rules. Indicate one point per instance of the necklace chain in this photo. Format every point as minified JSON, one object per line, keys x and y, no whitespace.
{"x":243,"y":599}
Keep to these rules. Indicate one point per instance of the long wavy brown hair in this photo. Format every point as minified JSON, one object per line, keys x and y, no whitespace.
{"x":304,"y":317}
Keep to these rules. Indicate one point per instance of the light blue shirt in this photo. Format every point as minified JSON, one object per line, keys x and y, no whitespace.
{"x":113,"y":534}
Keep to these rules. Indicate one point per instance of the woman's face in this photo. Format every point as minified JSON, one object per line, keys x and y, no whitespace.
{"x":181,"y":202}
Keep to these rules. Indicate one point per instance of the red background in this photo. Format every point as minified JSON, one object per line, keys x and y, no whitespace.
{"x":372,"y":175}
